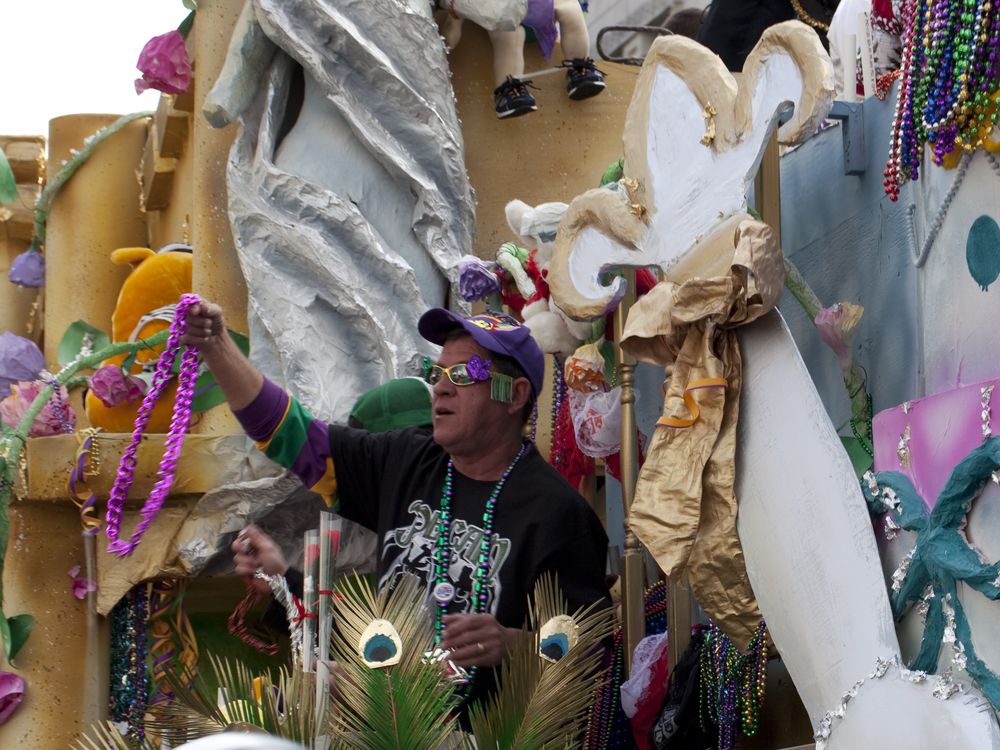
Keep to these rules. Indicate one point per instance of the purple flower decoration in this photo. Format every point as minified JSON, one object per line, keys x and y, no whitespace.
{"x":113,"y":387}
{"x":478,"y":368}
{"x":11,"y":693}
{"x":81,"y":585}
{"x":476,"y":279}
{"x":20,"y":359}
{"x":164,"y":65}
{"x":28,"y":269}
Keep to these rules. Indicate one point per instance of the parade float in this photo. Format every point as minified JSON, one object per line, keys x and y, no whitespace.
{"x":769,"y":367}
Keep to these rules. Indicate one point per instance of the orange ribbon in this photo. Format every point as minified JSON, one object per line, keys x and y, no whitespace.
{"x":692,"y":405}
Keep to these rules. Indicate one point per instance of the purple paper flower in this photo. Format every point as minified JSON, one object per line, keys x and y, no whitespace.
{"x":476,"y":279}
{"x":28,"y":269}
{"x":164,"y":65}
{"x":113,"y":387}
{"x":20,"y":359}
{"x":11,"y":693}
{"x":836,"y":325}
{"x":478,"y":368}
{"x":81,"y":585}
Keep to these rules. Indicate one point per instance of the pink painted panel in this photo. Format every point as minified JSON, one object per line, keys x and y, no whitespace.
{"x":943,"y":428}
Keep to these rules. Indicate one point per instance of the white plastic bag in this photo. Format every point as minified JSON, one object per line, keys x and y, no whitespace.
{"x":647,"y":655}
{"x":597,"y":421}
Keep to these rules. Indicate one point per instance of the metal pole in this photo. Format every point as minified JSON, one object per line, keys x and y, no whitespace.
{"x":633,"y":577}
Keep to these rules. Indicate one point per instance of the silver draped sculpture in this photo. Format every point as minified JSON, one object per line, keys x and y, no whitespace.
{"x":348,"y":196}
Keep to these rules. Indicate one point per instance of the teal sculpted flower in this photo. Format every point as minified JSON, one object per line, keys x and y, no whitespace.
{"x":941,"y":558}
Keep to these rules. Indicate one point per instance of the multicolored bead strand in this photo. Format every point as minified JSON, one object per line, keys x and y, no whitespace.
{"x":442,"y":549}
{"x":129,"y":683}
{"x":599,"y":730}
{"x":609,"y":728}
{"x":175,"y":437}
{"x":556,"y":452}
{"x":949,"y":81}
{"x":732,"y":684}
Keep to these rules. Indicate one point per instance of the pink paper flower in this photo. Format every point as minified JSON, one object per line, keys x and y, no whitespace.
{"x":11,"y":693}
{"x":57,"y":416}
{"x":113,"y":387}
{"x":164,"y":65}
{"x":81,"y":585}
{"x":837,"y":325}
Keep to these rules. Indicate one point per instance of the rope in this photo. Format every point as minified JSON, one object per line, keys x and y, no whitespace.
{"x":920,"y":258}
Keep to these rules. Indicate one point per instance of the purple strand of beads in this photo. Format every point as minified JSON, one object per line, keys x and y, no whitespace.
{"x":179,"y":422}
{"x":60,"y":407}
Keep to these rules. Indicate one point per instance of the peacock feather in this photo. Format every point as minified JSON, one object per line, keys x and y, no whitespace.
{"x":407,"y":705}
{"x":543,"y":702}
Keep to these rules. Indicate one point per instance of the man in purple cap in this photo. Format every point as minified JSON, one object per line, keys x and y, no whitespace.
{"x":473,"y":510}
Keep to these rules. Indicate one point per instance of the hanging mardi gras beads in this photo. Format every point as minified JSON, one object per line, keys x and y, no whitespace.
{"x":731,"y":689}
{"x":949,"y":80}
{"x":175,"y":437}
{"x":129,"y":681}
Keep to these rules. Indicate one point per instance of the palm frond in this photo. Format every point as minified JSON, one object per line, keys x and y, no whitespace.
{"x":406,"y":706}
{"x":540,"y":704}
{"x":106,"y":736}
{"x":282,"y":705}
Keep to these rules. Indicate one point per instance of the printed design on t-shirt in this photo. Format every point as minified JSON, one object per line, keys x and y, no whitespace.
{"x":410,"y":549}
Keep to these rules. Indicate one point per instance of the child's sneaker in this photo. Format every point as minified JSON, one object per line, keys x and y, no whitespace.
{"x":513,"y":98}
{"x":583,"y":79}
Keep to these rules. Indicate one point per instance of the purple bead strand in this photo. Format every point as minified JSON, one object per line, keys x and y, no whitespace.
{"x":179,"y":422}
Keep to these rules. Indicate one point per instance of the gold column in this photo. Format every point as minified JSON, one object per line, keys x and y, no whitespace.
{"x":217,"y":274}
{"x":64,"y":661}
{"x":633,"y":578}
{"x":767,"y":187}
{"x":96,"y":211}
{"x":20,"y":308}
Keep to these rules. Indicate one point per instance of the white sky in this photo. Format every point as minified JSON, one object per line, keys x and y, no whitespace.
{"x":60,"y":57}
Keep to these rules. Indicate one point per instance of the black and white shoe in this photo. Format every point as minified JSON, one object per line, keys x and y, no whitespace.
{"x":513,"y":99}
{"x":583,"y":79}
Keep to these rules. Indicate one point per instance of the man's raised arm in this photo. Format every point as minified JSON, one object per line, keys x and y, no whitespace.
{"x":240,"y":381}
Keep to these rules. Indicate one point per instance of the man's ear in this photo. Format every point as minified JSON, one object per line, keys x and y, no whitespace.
{"x":520,"y":393}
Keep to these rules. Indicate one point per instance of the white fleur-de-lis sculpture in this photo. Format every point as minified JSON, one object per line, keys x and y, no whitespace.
{"x":693,"y":140}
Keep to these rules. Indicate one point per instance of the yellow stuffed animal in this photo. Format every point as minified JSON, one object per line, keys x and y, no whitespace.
{"x":157,"y":281}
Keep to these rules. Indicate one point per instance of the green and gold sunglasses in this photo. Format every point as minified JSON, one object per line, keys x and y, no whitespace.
{"x":476,"y":370}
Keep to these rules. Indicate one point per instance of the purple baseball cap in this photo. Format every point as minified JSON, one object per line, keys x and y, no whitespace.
{"x":495,"y":332}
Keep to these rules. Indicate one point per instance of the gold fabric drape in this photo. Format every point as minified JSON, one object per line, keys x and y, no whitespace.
{"x":685,"y":506}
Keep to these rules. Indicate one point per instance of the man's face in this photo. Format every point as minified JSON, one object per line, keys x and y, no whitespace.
{"x":465,"y":417}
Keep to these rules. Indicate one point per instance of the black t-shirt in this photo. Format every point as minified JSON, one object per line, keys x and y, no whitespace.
{"x":392,"y":482}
